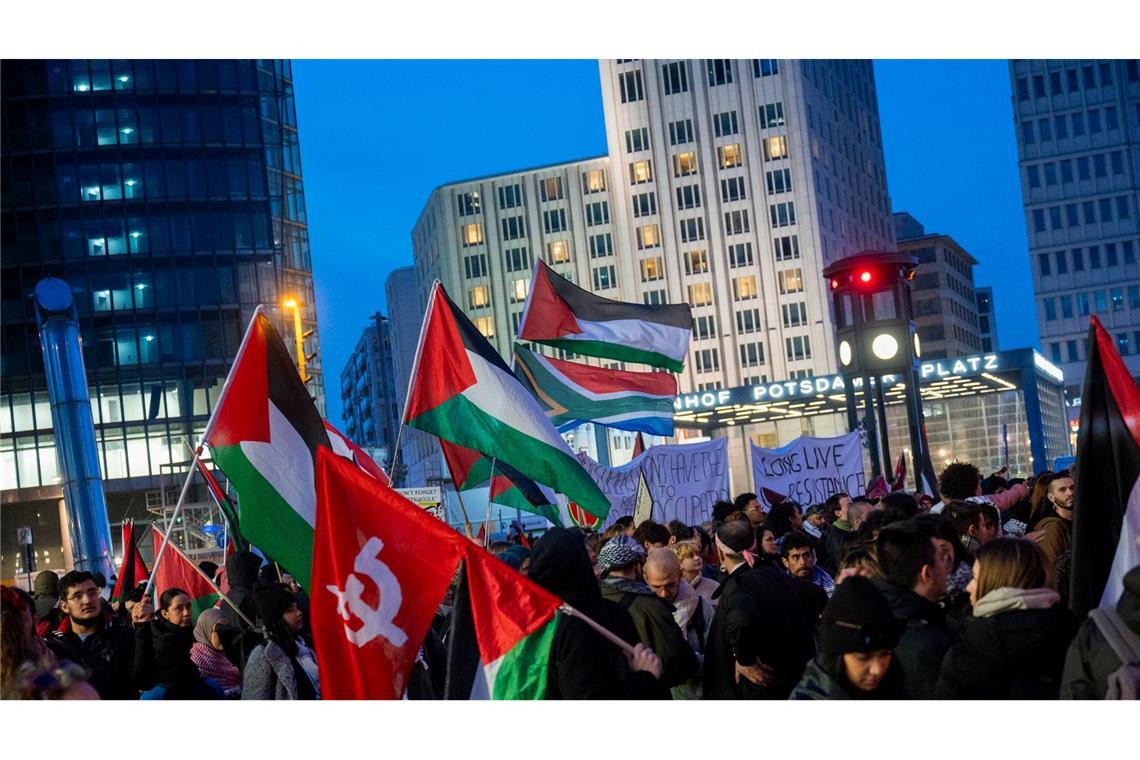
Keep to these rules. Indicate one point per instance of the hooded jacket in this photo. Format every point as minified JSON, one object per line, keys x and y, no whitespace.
{"x":241,"y":574}
{"x":767,"y":615}
{"x":653,"y":619}
{"x":1090,"y":659}
{"x":1017,"y":652}
{"x":925,"y":641}
{"x":583,"y":664}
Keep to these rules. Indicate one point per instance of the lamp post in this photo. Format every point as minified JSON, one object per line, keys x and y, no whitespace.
{"x":876,"y":336}
{"x":299,"y":336}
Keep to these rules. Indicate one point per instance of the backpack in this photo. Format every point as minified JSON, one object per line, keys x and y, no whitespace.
{"x":1124,"y":682}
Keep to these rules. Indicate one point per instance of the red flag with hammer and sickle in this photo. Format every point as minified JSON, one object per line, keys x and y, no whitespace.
{"x":381,"y":566}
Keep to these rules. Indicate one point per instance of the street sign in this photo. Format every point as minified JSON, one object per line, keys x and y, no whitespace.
{"x":24,"y":536}
{"x":429,"y":497}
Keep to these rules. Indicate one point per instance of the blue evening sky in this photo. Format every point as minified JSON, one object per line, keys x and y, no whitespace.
{"x":378,"y":136}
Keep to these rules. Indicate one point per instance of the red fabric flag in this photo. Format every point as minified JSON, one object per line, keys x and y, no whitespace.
{"x":177,"y":571}
{"x":900,"y":474}
{"x":638,"y":446}
{"x":381,"y":565}
{"x":132,"y":570}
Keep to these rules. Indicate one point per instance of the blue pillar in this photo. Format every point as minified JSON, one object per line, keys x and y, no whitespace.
{"x":74,"y":427}
{"x":1033,"y":413}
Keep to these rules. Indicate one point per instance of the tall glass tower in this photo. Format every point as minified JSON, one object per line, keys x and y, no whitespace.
{"x":169,"y":195}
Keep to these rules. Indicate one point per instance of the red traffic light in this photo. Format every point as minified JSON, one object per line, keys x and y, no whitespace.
{"x":865,"y":276}
{"x":834,"y":283}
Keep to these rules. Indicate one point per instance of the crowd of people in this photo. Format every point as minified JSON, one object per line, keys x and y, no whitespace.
{"x":870,"y":596}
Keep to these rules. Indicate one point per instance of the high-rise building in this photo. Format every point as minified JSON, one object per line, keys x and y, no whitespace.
{"x":368,"y":392}
{"x":1078,"y":143}
{"x":169,"y":195}
{"x":943,"y":293}
{"x":987,"y":318}
{"x":728,"y":184}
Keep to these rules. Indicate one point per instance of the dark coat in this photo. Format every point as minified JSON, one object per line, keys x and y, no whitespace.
{"x":818,"y":683}
{"x":836,"y":543}
{"x":109,"y":655}
{"x":241,"y":574}
{"x":163,"y":660}
{"x":763,"y":614}
{"x":656,"y":629}
{"x":925,"y":641}
{"x":1017,"y":654}
{"x":1090,"y":660}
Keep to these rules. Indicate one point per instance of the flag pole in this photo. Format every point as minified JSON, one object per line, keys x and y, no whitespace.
{"x":213,"y":585}
{"x":415,"y":370}
{"x":490,"y":488}
{"x":621,"y":644}
{"x":202,"y":440}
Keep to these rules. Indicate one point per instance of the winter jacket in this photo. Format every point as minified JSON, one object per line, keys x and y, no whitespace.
{"x":656,"y":629}
{"x":1056,"y":541}
{"x":1016,"y":653}
{"x":1090,"y":660}
{"x":924,"y":642}
{"x":109,"y":655}
{"x":241,"y":575}
{"x":271,"y":673}
{"x":817,"y":683}
{"x":163,"y":663}
{"x":836,"y":543}
{"x":764,"y":615}
{"x":693,"y":615}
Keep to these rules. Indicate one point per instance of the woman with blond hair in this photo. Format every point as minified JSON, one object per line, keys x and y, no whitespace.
{"x":1014,"y":645}
{"x":691,"y":566}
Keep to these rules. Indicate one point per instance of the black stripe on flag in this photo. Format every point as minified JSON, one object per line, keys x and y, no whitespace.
{"x":473,"y":340}
{"x":595,"y":308}
{"x":289,"y":394}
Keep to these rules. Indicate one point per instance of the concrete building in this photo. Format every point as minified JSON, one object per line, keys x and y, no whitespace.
{"x":728,"y":184}
{"x":943,"y":294}
{"x":368,"y":392}
{"x":169,"y":195}
{"x":987,"y":318}
{"x":1078,"y":142}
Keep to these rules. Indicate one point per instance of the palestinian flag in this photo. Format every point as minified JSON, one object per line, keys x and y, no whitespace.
{"x":229,"y":511}
{"x":132,"y":570}
{"x":465,"y":393}
{"x":264,"y":436}
{"x":469,"y":469}
{"x":900,"y":475}
{"x":177,"y":571}
{"x":502,"y":629}
{"x":510,"y":488}
{"x":571,"y":394}
{"x":559,"y":313}
{"x":1106,"y":497}
{"x":346,"y":448}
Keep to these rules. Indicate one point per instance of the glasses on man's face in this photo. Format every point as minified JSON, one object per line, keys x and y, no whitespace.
{"x":79,"y":596}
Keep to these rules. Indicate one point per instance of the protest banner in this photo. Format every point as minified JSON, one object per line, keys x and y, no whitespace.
{"x":808,"y":470}
{"x":429,"y":498}
{"x":684,"y":481}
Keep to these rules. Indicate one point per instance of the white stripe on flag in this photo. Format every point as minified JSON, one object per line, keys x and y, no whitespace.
{"x":586,"y":392}
{"x":287,"y":464}
{"x":648,"y":336}
{"x":1127,"y":549}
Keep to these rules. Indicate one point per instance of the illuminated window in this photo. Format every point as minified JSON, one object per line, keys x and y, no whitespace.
{"x":744,"y":288}
{"x":730,"y":156}
{"x":700,"y":294}
{"x":640,"y":171}
{"x":790,"y":281}
{"x":594,"y":181}
{"x":652,"y":269}
{"x":486,"y":326}
{"x":551,"y":188}
{"x":518,"y":290}
{"x":696,"y":262}
{"x":648,"y":236}
{"x":775,"y":148}
{"x":479,"y":297}
{"x":558,"y":252}
{"x":471,"y":234}
{"x":684,"y":164}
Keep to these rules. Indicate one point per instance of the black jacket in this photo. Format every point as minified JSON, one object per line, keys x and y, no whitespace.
{"x":1090,"y":659}
{"x":925,"y":641}
{"x":763,"y":614}
{"x":108,"y":653}
{"x":1011,"y":655}
{"x":163,"y":659}
{"x":656,"y":628}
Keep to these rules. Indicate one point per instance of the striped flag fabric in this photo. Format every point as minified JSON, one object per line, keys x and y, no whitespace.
{"x":501,"y":634}
{"x":561,"y":314}
{"x":510,"y":488}
{"x":132,"y":570}
{"x":342,"y":446}
{"x":571,"y":394}
{"x":229,"y":511}
{"x":1106,"y":498}
{"x":469,"y":469}
{"x":177,"y":571}
{"x":465,"y":393}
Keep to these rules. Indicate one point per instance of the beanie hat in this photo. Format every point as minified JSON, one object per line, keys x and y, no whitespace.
{"x":620,"y":551}
{"x":858,"y":618}
{"x":47,"y":584}
{"x":272,"y":599}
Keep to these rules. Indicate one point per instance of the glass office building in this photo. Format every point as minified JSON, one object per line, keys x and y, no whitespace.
{"x":169,"y":195}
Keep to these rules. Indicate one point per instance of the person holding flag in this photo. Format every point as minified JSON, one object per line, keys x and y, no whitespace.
{"x":163,"y":652}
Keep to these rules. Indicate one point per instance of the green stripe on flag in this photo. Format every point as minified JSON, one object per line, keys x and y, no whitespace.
{"x":203,"y":603}
{"x":522,"y":670}
{"x":268,"y":521}
{"x":616,"y":351}
{"x":513,"y":498}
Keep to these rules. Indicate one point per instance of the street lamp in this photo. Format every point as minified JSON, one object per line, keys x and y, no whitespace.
{"x":299,"y":336}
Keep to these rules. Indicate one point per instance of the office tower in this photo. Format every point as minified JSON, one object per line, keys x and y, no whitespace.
{"x":943,"y":292}
{"x":368,"y":392}
{"x":987,"y":318}
{"x":1078,"y":143}
{"x":169,"y":195}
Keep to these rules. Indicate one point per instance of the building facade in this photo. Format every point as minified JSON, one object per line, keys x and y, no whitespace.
{"x":1078,"y":142}
{"x":727,"y":184}
{"x":987,"y":318}
{"x":169,"y":195}
{"x":943,"y":292}
{"x":368,"y":392}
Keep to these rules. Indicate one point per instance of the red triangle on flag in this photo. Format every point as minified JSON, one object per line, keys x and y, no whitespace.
{"x":547,"y":315}
{"x":243,"y":414}
{"x":132,"y":569}
{"x":381,"y":565}
{"x":175,"y":570}
{"x":443,"y":370}
{"x":638,"y":446}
